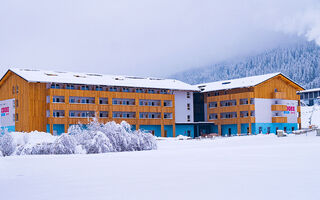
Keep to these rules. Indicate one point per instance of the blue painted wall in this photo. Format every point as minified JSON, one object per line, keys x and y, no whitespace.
{"x":59,"y":128}
{"x":169,"y":129}
{"x":9,"y":128}
{"x":156,"y":128}
{"x":225,"y":129}
{"x":244,"y":128}
{"x":273,"y":126}
{"x":48,"y":128}
{"x":183,"y":130}
{"x":215,"y":129}
{"x":133,"y":127}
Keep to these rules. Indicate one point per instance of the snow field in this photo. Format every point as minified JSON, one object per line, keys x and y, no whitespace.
{"x":246,"y":167}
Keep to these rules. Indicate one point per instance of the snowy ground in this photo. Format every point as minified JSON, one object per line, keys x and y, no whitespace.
{"x":310,"y":111}
{"x":250,"y":167}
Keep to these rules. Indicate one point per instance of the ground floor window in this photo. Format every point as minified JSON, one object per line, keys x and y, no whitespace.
{"x":260,"y":129}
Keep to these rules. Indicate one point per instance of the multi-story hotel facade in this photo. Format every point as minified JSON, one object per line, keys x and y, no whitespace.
{"x":52,"y":101}
{"x":257,"y":104}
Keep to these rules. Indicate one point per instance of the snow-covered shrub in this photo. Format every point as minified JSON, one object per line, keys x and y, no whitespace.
{"x":7,"y":144}
{"x":98,"y":143}
{"x":95,"y":138}
{"x":65,"y":144}
{"x":112,"y":137}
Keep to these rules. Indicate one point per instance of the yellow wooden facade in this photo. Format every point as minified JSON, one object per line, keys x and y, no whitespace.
{"x":278,"y":87}
{"x":35,"y":101}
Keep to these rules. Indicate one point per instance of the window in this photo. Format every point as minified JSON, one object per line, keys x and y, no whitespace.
{"x":70,"y":87}
{"x":188,"y":95}
{"x":17,"y":89}
{"x":188,"y":118}
{"x":310,"y":95}
{"x":275,"y":90}
{"x":188,"y":106}
{"x":268,"y":130}
{"x":99,"y":88}
{"x":188,"y":133}
{"x":260,"y":129}
{"x":167,"y":103}
{"x":85,"y":87}
{"x":16,"y":103}
{"x":17,"y":117}
{"x":167,"y":115}
{"x":103,"y":101}
{"x":213,"y":116}
{"x":13,"y":90}
{"x":213,"y":104}
{"x":244,"y":101}
{"x":103,"y":114}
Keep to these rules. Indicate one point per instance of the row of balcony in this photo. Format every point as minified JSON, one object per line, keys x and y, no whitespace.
{"x":105,"y":114}
{"x":104,"y":101}
{"x":230,"y":115}
{"x":229,"y":103}
{"x":107,"y":88}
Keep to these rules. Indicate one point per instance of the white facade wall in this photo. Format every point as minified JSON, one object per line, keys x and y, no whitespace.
{"x":181,"y":102}
{"x":264,"y":114}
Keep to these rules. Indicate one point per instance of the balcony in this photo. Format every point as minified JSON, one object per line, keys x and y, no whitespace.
{"x":279,"y":95}
{"x":299,"y":109}
{"x":278,"y":107}
{"x":279,"y":120}
{"x":299,"y":120}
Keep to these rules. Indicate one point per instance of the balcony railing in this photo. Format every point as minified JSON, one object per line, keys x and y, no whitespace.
{"x":278,"y":107}
{"x":279,"y":120}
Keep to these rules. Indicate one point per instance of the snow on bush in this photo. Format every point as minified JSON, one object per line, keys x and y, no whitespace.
{"x":7,"y":144}
{"x":96,"y":138}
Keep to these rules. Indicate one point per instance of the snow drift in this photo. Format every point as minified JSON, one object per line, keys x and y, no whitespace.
{"x":95,"y":138}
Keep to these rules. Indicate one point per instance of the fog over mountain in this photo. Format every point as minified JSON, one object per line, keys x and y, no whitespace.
{"x":300,"y":61}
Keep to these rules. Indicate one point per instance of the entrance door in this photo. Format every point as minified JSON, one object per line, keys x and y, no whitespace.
{"x":165,"y":133}
{"x":229,"y":132}
{"x":285,"y":129}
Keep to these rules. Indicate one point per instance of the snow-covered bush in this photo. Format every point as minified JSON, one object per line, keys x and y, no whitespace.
{"x":65,"y":144}
{"x":7,"y":144}
{"x":95,"y":138}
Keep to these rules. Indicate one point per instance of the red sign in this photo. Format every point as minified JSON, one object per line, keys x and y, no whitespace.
{"x":290,"y":108}
{"x":5,"y":110}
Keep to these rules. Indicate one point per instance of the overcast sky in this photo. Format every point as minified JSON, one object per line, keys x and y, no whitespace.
{"x":147,"y":37}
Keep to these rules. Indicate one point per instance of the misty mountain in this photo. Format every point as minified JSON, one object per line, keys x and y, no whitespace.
{"x":300,"y":62}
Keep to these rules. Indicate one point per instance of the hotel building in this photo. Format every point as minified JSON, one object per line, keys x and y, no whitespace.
{"x":257,"y":104}
{"x":51,"y":101}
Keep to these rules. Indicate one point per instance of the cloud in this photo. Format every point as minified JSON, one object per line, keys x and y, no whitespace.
{"x":145,"y":37}
{"x":305,"y":23}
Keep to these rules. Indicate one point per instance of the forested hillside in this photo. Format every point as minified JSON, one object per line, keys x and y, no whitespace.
{"x":300,"y":62}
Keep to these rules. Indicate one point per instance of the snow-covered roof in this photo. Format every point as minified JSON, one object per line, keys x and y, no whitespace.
{"x":237,"y":83}
{"x":47,"y":76}
{"x":310,"y":90}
